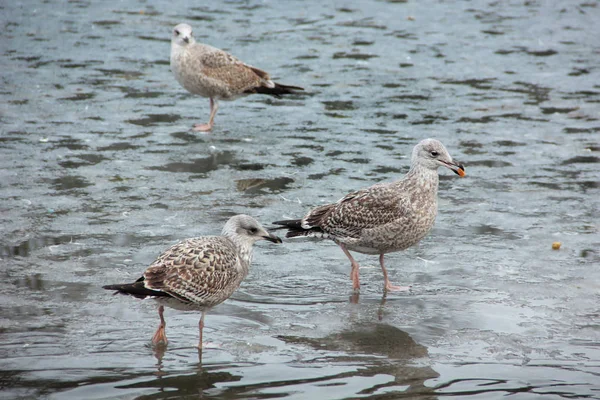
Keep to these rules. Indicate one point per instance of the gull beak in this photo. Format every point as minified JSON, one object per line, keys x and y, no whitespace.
{"x":456,"y":167}
{"x":186,"y":39}
{"x":272,"y":238}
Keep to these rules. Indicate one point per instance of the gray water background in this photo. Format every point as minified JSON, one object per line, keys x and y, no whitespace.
{"x":99,"y":173}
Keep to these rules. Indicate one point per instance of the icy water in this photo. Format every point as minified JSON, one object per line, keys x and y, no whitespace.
{"x":99,"y":173}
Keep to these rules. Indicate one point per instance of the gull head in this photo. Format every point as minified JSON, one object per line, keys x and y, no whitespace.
{"x":247,"y":229}
{"x":432,"y":154}
{"x":183,"y":35}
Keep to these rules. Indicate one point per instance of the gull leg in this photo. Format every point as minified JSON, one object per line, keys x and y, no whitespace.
{"x":388,"y":284}
{"x":354,"y":274}
{"x":160,"y":337}
{"x":200,"y":328}
{"x":214,"y":106}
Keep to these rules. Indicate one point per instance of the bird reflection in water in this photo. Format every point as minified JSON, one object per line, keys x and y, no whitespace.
{"x":183,"y":385}
{"x":355,"y":297}
{"x":399,"y":349}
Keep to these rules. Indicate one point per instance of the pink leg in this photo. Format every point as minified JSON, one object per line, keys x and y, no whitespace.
{"x":200,"y":328}
{"x":354,"y":273}
{"x":160,"y":337}
{"x":214,"y":106}
{"x":388,"y":284}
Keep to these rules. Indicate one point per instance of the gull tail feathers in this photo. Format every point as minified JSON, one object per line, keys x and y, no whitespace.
{"x":295,"y":229}
{"x":277,"y":90}
{"x":136,"y":289}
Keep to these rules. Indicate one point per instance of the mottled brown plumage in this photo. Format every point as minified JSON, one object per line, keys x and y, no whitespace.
{"x":385,"y":217}
{"x":210,"y":72}
{"x":199,"y":273}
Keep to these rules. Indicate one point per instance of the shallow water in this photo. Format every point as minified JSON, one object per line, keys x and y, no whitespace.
{"x":100,"y":173}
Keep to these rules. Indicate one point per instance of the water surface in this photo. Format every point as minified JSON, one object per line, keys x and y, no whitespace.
{"x":100,"y":172}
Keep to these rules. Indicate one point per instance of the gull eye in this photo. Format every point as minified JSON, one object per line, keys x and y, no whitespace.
{"x":176,"y":32}
{"x":434,"y":153}
{"x":253,"y":230}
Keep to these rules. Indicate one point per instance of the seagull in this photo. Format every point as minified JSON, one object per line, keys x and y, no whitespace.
{"x":383,"y":218}
{"x":199,"y":273}
{"x":210,"y":72}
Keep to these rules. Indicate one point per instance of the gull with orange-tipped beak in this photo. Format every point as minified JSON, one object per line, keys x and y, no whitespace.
{"x":384,"y":218}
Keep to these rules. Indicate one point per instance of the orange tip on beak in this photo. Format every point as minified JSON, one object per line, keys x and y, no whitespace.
{"x":461,"y":172}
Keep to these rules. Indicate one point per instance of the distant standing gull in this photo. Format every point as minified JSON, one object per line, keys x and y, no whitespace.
{"x":383,"y":218}
{"x":209,"y":72}
{"x":199,"y":273}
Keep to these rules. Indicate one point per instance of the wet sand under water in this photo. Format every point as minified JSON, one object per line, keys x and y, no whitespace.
{"x":100,"y":173}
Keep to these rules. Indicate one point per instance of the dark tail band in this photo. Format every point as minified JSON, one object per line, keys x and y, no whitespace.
{"x":136,"y":289}
{"x":277,"y":91}
{"x":295,"y":229}
{"x":288,"y":224}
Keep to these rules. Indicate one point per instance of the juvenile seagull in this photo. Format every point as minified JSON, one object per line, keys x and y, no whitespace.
{"x":199,"y":273}
{"x":385,"y":217}
{"x":209,"y":72}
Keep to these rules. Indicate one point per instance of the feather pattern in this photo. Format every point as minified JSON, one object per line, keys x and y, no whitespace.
{"x":200,"y":270}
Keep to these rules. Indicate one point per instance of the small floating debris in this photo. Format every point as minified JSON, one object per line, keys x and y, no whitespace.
{"x":556,"y":246}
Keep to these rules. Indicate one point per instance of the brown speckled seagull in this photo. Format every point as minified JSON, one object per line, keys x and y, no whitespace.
{"x":210,"y":72}
{"x":385,"y":217}
{"x":199,"y":273}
